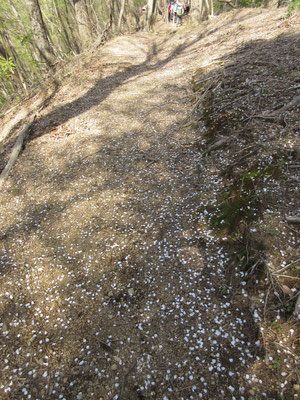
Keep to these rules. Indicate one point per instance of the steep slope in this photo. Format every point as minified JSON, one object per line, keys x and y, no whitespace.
{"x":113,"y":284}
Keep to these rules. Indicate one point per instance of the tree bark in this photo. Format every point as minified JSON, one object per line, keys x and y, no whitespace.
{"x":97,"y":25}
{"x":20,"y":73}
{"x":72,"y":24}
{"x":62,"y":22}
{"x":150,"y":11}
{"x":83,"y":23}
{"x":121,"y":15}
{"x":201,"y":9}
{"x":40,"y":33}
{"x":112,"y":15}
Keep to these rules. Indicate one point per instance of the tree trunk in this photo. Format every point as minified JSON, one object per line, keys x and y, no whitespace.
{"x":3,"y":52}
{"x":18,"y":16}
{"x":20,"y":73}
{"x":112,"y":15}
{"x":62,"y":23}
{"x":196,"y":10}
{"x":98,"y":29}
{"x":40,"y":33}
{"x":206,"y":9}
{"x":121,"y":15}
{"x":150,"y":11}
{"x":83,"y":23}
{"x":72,"y":24}
{"x":212,"y":8}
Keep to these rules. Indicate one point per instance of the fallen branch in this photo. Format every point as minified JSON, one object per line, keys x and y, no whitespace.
{"x":288,"y":276}
{"x":270,"y":118}
{"x":36,"y":107}
{"x":16,"y":150}
{"x":293,"y":219}
{"x":274,"y":115}
{"x":291,"y":104}
{"x":294,"y":179}
{"x":293,"y":230}
{"x":239,"y":161}
{"x":218,"y":144}
{"x":13,"y":122}
{"x":103,"y":37}
{"x":199,"y":100}
{"x":286,"y":267}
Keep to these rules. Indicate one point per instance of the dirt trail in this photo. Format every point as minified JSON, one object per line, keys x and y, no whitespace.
{"x":112,"y":286}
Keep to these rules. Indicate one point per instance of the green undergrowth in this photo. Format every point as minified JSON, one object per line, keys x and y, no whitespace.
{"x":242,"y":202}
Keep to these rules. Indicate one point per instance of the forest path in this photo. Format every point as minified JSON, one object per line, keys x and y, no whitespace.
{"x":112,"y":284}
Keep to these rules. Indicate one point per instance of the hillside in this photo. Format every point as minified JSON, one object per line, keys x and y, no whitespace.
{"x":147,"y":245}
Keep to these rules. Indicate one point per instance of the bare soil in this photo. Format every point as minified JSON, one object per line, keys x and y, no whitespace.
{"x":114,"y":285}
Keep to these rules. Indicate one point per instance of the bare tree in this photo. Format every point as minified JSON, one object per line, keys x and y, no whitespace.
{"x":25,"y":31}
{"x":40,"y":33}
{"x":150,"y":11}
{"x":83,"y":23}
{"x":121,"y":15}
{"x":201,"y":9}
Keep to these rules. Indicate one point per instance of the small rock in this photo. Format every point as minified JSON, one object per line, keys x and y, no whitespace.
{"x":252,"y":392}
{"x":130,"y":292}
{"x":110,"y":294}
{"x":118,"y":359}
{"x":114,"y":367}
{"x":79,"y":396}
{"x":297,"y":388}
{"x":110,"y":316}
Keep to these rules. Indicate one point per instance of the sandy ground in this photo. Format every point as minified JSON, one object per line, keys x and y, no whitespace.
{"x":112,"y":285}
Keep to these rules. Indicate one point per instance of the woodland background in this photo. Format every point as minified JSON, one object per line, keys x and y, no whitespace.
{"x":37,"y":35}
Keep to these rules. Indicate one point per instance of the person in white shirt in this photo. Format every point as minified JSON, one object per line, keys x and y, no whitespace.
{"x":174,"y":12}
{"x":179,"y":12}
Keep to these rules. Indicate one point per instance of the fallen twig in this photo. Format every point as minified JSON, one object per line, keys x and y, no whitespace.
{"x":105,"y":346}
{"x":293,"y":219}
{"x":266,"y":303}
{"x":9,"y":126}
{"x":103,"y":37}
{"x":199,"y":101}
{"x":286,"y":267}
{"x":130,"y":369}
{"x":293,"y":230}
{"x":218,"y":144}
{"x":290,"y":277}
{"x":291,"y":104}
{"x":173,"y":388}
{"x":273,"y":116}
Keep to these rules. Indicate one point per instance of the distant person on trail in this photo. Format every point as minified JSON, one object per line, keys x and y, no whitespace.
{"x":179,"y":13}
{"x":174,"y":12}
{"x":171,"y":6}
{"x":186,"y":9}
